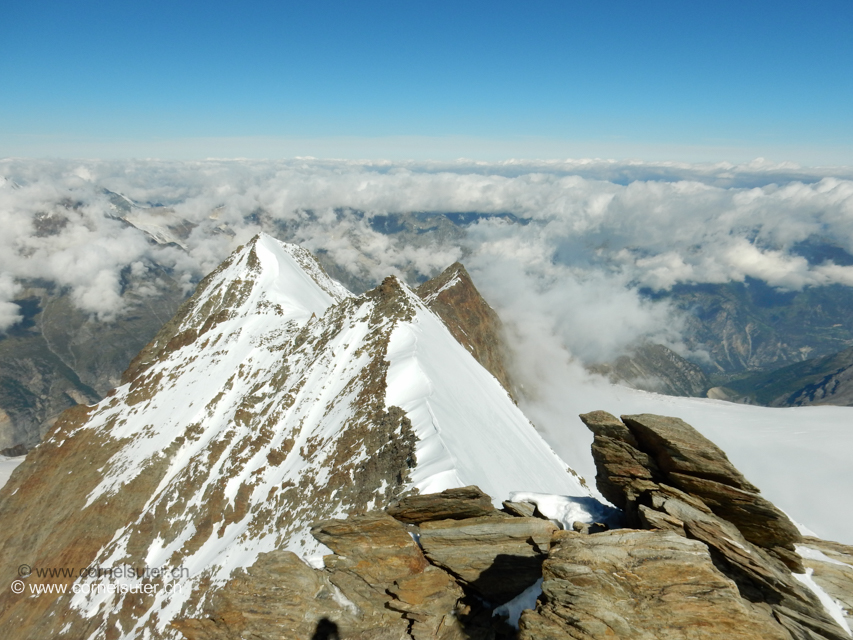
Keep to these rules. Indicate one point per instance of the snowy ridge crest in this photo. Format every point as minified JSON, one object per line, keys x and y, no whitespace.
{"x":275,"y":398}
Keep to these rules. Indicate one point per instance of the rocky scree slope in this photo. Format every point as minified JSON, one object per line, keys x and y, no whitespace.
{"x":434,"y":566}
{"x":274,"y":398}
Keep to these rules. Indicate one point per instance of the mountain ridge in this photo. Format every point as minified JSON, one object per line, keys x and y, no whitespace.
{"x":274,"y":398}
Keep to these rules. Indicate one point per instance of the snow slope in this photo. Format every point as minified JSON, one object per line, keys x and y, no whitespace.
{"x":469,"y":431}
{"x":801,"y":458}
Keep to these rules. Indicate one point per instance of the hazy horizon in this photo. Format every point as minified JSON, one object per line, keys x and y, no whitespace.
{"x":400,"y":81}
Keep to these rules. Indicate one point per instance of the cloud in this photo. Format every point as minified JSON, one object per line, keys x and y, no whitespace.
{"x":586,"y":237}
{"x":564,"y":258}
{"x":10,"y":313}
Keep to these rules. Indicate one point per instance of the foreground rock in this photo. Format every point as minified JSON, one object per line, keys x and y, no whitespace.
{"x":633,"y":585}
{"x":374,"y":547}
{"x":668,"y":477}
{"x":378,"y":585}
{"x":279,"y":596}
{"x":709,"y":559}
{"x":831,"y":566}
{"x":691,"y":576}
{"x":496,"y":557}
{"x":697,"y":466}
{"x":451,"y":504}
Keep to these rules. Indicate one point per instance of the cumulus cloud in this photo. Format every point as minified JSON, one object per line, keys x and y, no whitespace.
{"x":585,"y":237}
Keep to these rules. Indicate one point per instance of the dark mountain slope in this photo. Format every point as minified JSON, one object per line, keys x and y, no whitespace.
{"x":824,"y":380}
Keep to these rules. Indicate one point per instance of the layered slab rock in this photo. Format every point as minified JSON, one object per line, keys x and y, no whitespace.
{"x":679,"y":448}
{"x":280,"y":596}
{"x":624,"y":473}
{"x":607,"y":425}
{"x":429,"y":601}
{"x":649,"y":450}
{"x":640,"y":585}
{"x":451,"y":504}
{"x":376,"y":586}
{"x":760,"y":577}
{"x":497,"y":557}
{"x":371,"y":552}
{"x":670,"y":478}
{"x":375,"y":544}
{"x":697,"y":579}
{"x":520,"y":509}
{"x":760,"y":521}
{"x":694,"y":464}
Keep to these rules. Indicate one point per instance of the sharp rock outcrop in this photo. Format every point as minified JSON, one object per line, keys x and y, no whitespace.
{"x":699,"y":512}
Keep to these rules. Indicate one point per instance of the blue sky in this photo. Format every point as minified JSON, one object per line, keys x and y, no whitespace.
{"x":653,"y":80}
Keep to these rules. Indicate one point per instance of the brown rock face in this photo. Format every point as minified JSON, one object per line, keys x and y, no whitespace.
{"x":453,"y":296}
{"x":634,"y":585}
{"x":521,"y":509}
{"x":758,"y":519}
{"x":679,"y":448}
{"x":832,"y":570}
{"x":279,"y":596}
{"x":49,"y":504}
{"x":674,"y":480}
{"x":451,"y":504}
{"x":430,"y":600}
{"x":669,"y":451}
{"x":497,"y":557}
{"x":374,"y":547}
{"x":604,"y":424}
{"x":624,"y":473}
{"x":377,"y":586}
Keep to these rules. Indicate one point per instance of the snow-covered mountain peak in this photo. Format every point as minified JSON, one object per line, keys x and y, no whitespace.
{"x":274,"y":284}
{"x":273,"y":399}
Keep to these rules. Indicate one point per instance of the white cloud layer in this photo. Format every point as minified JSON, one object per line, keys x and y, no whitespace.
{"x":591,"y":232}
